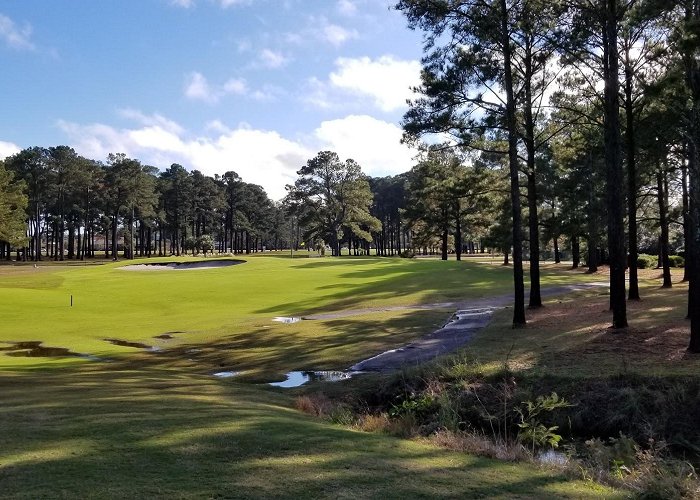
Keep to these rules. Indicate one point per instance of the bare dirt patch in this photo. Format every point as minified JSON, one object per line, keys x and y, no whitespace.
{"x":657,"y":336}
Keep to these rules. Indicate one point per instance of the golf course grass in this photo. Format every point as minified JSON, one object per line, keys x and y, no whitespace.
{"x":127,"y":421}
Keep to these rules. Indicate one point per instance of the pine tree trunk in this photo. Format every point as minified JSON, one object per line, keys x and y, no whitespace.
{"x":663,"y":240}
{"x":693,"y":243}
{"x":630,"y":140}
{"x":575,"y":251}
{"x":511,"y":124}
{"x":613,"y":164}
{"x":686,"y":219}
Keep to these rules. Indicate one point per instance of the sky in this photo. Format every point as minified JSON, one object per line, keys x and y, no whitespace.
{"x":254,"y":86}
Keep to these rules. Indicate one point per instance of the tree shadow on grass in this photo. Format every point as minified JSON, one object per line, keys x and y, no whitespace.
{"x":434,"y":281}
{"x":163,"y":433}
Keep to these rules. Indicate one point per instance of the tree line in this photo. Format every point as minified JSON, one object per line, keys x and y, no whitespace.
{"x":591,"y":108}
{"x":59,"y":205}
{"x":65,"y":206}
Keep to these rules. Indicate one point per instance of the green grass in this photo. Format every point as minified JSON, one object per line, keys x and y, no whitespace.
{"x":157,"y":424}
{"x":151,"y":432}
{"x":235,"y":303}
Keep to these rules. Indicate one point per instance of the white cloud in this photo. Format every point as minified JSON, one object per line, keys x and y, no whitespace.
{"x":259,"y":156}
{"x":337,"y":35}
{"x":198,"y":88}
{"x":150,"y":120}
{"x":387,"y":81}
{"x":347,"y":7}
{"x":224,"y":4}
{"x":14,"y":36}
{"x":271,"y":59}
{"x":217,"y":126}
{"x":186,"y":4}
{"x":8,"y":149}
{"x":236,"y":86}
{"x":374,"y":144}
{"x":316,"y":93}
{"x":231,"y":3}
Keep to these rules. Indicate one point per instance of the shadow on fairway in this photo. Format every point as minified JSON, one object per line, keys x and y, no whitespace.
{"x":163,"y":433}
{"x":395,"y":278}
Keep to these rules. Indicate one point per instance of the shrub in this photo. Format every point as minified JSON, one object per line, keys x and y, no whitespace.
{"x":407,"y":254}
{"x":646,"y":261}
{"x":650,"y":472}
{"x":205,"y":243}
{"x":676,"y":261}
{"x":419,"y":407}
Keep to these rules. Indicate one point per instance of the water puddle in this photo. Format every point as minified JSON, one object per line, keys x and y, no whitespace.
{"x":286,"y":319}
{"x":299,"y":378}
{"x":226,"y":374}
{"x":469,"y":318}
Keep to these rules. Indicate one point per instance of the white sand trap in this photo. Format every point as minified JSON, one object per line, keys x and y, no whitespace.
{"x":181,"y":266}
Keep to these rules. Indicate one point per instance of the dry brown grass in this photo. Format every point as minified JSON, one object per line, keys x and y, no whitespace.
{"x":571,"y":334}
{"x":374,"y":423}
{"x":479,"y":444}
{"x":314,"y":404}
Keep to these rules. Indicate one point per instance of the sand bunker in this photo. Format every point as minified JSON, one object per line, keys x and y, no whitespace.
{"x":181,"y":266}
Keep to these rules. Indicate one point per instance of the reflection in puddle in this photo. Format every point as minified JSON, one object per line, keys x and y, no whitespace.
{"x":298,"y":378}
{"x":286,"y":319}
{"x":226,"y":374}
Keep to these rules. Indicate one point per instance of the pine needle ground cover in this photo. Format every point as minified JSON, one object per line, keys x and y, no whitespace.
{"x":571,"y":337}
{"x":129,"y":421}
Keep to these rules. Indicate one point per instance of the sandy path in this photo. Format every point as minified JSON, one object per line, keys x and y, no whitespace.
{"x":463,"y":325}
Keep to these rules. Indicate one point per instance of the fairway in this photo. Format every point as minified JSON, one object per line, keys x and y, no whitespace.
{"x":131,"y":421}
{"x":237,"y":304}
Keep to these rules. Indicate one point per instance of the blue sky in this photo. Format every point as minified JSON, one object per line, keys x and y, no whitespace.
{"x":255,"y":86}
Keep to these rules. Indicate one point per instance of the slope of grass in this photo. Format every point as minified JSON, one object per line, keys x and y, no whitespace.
{"x":141,"y":424}
{"x":124,"y":433}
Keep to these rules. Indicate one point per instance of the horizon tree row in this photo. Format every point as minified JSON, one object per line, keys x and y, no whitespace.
{"x":72,"y":207}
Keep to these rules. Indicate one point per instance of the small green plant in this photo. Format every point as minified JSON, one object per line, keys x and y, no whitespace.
{"x":341,"y":415}
{"x":416,"y":407}
{"x":533,"y":433}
